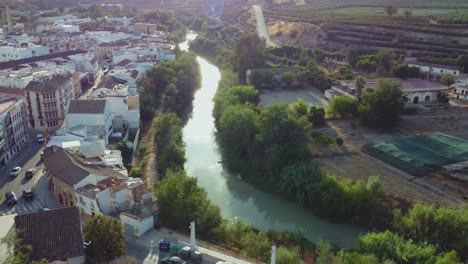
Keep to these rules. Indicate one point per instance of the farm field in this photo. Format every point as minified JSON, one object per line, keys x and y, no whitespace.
{"x":354,"y":164}
{"x":435,"y":28}
{"x":323,"y":4}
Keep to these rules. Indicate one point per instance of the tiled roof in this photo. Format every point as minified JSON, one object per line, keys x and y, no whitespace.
{"x":53,"y":235}
{"x":87,"y":106}
{"x":11,"y":91}
{"x":66,"y":167}
{"x":11,"y":64}
{"x":52,"y":85}
{"x":123,"y":63}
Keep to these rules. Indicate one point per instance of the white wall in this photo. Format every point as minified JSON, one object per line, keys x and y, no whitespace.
{"x":91,"y":120}
{"x":86,"y":204}
{"x":105,"y":202}
{"x":436,"y":70}
{"x":119,"y":107}
{"x":15,"y":81}
{"x":140,"y":226}
{"x":11,"y":53}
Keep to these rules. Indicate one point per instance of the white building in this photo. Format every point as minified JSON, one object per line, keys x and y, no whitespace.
{"x":434,"y":71}
{"x":460,"y":90}
{"x":416,"y":90}
{"x":13,"y":53}
{"x":92,"y":115}
{"x":124,"y":107}
{"x":13,"y":127}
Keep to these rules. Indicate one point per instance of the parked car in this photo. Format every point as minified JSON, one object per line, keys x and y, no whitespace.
{"x":10,"y":198}
{"x":172,"y":260}
{"x":40,"y":138}
{"x":30,"y":173}
{"x":42,"y":155}
{"x":28,"y":193}
{"x":15,"y":171}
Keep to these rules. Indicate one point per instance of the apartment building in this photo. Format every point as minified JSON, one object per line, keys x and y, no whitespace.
{"x":47,"y":99}
{"x":13,"y":127}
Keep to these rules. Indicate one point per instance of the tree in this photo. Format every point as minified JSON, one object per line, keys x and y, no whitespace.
{"x":367,"y":63}
{"x":391,"y":10}
{"x":238,"y":127}
{"x":317,"y":116}
{"x":447,"y":79}
{"x":360,"y":82}
{"x":462,"y":62}
{"x":408,"y":12}
{"x":443,"y":226}
{"x":386,"y":59}
{"x":181,"y":201}
{"x":325,"y":254}
{"x":342,"y":106}
{"x":250,"y":53}
{"x":300,"y":108}
{"x":257,"y":245}
{"x":383,"y":106}
{"x":288,"y":78}
{"x":403,"y":71}
{"x":106,"y":237}
{"x":286,"y":256}
{"x":387,"y":245}
{"x":256,"y":79}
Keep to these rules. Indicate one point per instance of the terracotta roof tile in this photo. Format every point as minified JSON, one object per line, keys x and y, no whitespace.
{"x":87,"y":106}
{"x":54,"y":235}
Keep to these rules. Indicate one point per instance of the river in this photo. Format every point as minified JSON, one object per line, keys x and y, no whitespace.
{"x":237,"y":198}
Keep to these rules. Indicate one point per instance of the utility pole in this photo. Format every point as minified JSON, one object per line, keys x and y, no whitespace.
{"x":193,"y":245}
{"x":273,"y":255}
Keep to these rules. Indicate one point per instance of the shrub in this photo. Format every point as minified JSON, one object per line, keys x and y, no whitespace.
{"x":339,"y":141}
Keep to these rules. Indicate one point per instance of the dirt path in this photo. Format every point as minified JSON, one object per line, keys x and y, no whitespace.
{"x":150,"y":172}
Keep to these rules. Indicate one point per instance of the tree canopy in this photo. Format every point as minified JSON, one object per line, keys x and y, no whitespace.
{"x":383,"y":106}
{"x":342,"y":106}
{"x":181,"y":201}
{"x":106,"y":237}
{"x":250,"y":53}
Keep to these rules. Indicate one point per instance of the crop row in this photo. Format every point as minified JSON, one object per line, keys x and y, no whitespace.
{"x":403,"y":46}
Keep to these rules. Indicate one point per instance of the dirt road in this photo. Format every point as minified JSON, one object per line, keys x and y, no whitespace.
{"x":261,"y":27}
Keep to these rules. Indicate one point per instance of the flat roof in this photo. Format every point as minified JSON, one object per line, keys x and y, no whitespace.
{"x":6,"y":102}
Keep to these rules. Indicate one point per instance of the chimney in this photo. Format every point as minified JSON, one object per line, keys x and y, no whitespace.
{"x":8,"y":17}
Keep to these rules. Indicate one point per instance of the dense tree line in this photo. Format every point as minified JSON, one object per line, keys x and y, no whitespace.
{"x":169,"y":142}
{"x":176,"y":81}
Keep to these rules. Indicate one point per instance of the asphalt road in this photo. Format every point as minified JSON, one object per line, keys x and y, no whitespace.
{"x":261,"y":27}
{"x":27,"y":158}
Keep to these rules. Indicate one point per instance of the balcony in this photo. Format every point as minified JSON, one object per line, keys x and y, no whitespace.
{"x":50,"y":109}
{"x":49,"y":100}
